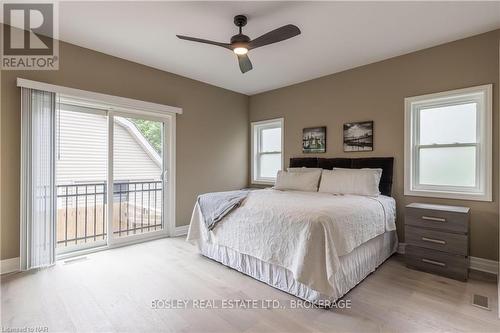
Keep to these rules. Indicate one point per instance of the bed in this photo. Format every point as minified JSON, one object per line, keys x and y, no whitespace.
{"x":316,"y":246}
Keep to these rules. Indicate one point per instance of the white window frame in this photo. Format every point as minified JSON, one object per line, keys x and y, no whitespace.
{"x":482,"y":95}
{"x":256,"y":129}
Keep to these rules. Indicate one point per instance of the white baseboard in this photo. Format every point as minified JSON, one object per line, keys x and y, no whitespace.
{"x":475,"y":263}
{"x":181,"y":231}
{"x":484,"y":265}
{"x":9,"y":265}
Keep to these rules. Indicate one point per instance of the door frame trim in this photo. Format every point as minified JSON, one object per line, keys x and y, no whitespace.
{"x":91,"y":250}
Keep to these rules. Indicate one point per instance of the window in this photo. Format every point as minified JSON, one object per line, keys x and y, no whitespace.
{"x":267,"y":150}
{"x":448,"y":149}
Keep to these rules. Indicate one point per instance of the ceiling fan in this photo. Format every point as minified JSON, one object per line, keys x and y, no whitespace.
{"x":240,"y":44}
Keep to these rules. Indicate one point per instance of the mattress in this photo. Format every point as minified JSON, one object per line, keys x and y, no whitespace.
{"x":304,"y":232}
{"x":354,"y":267}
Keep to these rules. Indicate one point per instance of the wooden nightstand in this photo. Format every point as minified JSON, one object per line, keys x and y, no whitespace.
{"x":437,"y":239}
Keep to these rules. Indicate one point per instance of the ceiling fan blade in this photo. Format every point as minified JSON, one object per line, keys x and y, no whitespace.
{"x":277,"y":35}
{"x":205,"y":41}
{"x":245,"y":63}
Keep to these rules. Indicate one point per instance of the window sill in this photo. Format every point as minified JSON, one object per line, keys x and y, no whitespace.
{"x":263,"y":182}
{"x":450,"y":195}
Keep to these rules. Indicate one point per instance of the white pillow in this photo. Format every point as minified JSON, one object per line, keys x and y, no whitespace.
{"x":298,"y":181}
{"x":304,"y":169}
{"x":351,"y":181}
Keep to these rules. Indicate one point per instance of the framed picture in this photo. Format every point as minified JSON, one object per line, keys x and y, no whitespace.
{"x":358,"y":136}
{"x":314,"y":140}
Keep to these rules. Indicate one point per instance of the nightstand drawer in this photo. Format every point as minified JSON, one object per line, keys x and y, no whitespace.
{"x":453,"y":266}
{"x":436,"y":219}
{"x":437,"y":240}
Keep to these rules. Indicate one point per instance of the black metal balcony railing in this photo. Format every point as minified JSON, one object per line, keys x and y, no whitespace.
{"x":81,"y":210}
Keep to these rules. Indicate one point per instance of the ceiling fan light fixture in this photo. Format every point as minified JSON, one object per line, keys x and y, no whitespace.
{"x":240,"y":50}
{"x":240,"y":43}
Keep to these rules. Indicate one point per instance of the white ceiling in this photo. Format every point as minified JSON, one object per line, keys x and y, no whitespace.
{"x":335,"y":35}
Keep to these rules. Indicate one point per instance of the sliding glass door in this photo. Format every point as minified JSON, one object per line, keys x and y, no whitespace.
{"x":111,"y":175}
{"x":81,"y":172}
{"x":139,"y":166}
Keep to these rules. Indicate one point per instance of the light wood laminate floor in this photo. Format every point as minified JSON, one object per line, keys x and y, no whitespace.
{"x":113,"y":291}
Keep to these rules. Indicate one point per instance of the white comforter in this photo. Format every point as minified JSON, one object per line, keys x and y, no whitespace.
{"x":304,"y":232}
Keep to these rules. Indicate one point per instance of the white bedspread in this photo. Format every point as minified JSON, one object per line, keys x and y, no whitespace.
{"x":304,"y":232}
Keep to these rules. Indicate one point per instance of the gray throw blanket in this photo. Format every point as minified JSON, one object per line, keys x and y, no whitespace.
{"x":214,"y":206}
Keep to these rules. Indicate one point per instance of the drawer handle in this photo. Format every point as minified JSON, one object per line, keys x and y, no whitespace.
{"x":435,"y":219}
{"x":433,"y":262}
{"x":432,"y":240}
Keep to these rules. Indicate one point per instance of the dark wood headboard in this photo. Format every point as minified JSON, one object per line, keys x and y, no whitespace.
{"x":384,"y":163}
